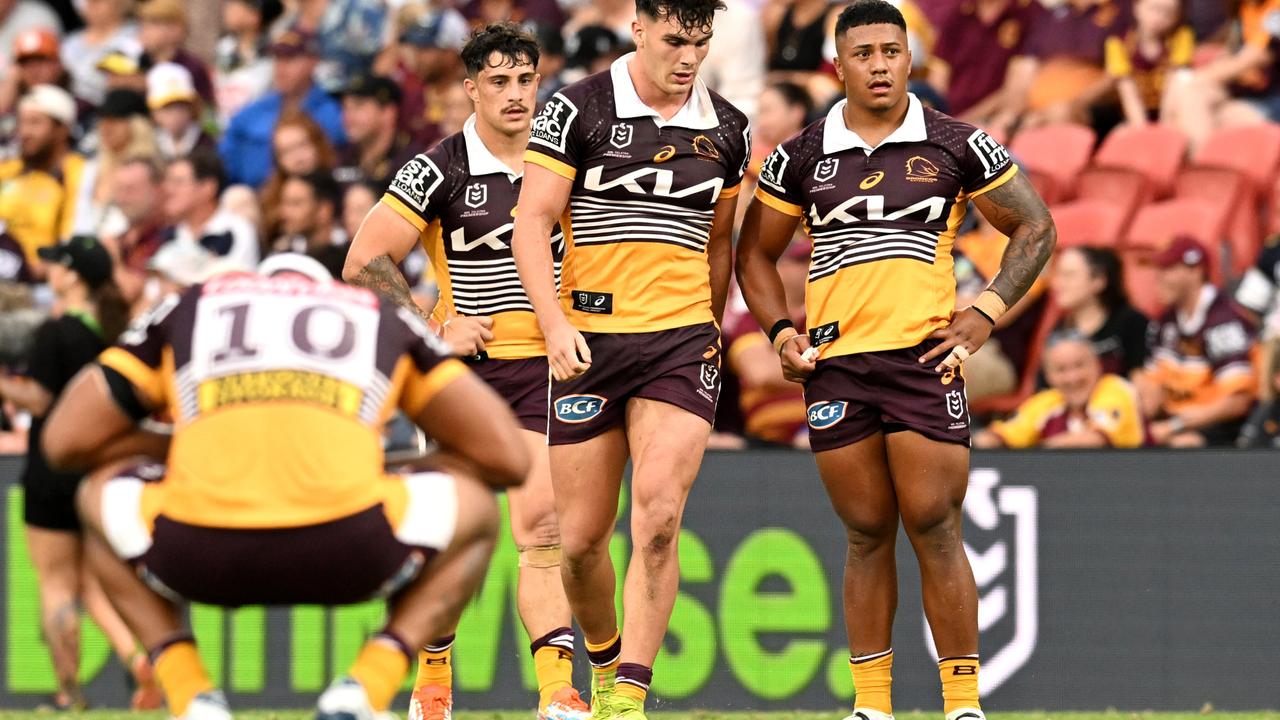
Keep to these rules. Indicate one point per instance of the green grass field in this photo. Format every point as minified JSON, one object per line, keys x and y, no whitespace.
{"x":695,"y":715}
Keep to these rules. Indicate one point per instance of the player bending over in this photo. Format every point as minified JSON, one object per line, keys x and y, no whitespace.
{"x":274,"y":491}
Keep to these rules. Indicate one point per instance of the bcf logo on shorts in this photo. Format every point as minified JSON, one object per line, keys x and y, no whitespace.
{"x":578,"y":408}
{"x":823,"y":415}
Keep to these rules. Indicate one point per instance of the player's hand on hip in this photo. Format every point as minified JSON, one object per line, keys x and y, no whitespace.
{"x":467,"y":334}
{"x":966,"y":333}
{"x":797,"y":358}
{"x":567,"y":352}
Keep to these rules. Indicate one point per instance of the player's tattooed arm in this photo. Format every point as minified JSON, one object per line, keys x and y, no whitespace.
{"x":1016,"y":210}
{"x":382,"y":276}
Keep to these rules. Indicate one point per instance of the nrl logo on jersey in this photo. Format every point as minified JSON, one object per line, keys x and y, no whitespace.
{"x":825,"y":169}
{"x":477,"y":195}
{"x":1001,"y":542}
{"x":620,"y":135}
{"x":551,"y":126}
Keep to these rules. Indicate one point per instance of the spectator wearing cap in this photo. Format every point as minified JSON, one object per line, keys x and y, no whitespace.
{"x":175,"y":109}
{"x":350,"y":34}
{"x":124,"y":130}
{"x":376,"y":147}
{"x":20,"y":17}
{"x":1199,"y":383}
{"x":36,"y":62}
{"x":592,"y":49}
{"x":1084,"y":407}
{"x":246,"y":144}
{"x":427,"y":67}
{"x":135,"y":232}
{"x":89,"y":315}
{"x":242,"y":70}
{"x":162,"y":30}
{"x":106,"y":27}
{"x":310,"y":215}
{"x":192,"y":187}
{"x":124,"y":66}
{"x":40,"y":189}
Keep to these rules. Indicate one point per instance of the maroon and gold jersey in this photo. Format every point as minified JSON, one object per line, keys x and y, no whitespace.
{"x":883,"y":222}
{"x":463,"y":200}
{"x":1112,"y":411}
{"x":279,"y":388}
{"x":1202,"y":358}
{"x":643,"y":199}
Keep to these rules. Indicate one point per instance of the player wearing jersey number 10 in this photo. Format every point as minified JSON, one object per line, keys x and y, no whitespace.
{"x":883,"y":184}
{"x":647,"y":162}
{"x":459,"y":200}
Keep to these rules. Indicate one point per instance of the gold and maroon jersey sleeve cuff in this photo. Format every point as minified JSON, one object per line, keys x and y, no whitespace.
{"x":730,"y":192}
{"x":778,"y":203}
{"x":562,"y":169}
{"x":404,"y":211}
{"x":421,"y":389}
{"x":148,"y":381}
{"x":1005,"y":177}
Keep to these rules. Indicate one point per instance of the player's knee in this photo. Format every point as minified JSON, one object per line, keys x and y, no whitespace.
{"x":580,"y":544}
{"x":936,"y":531}
{"x":542,"y":531}
{"x":655,"y":532}
{"x":866,"y":539}
{"x":478,"y":516}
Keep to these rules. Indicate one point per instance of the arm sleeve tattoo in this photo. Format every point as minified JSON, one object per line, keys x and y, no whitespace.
{"x":1016,"y":210}
{"x":382,"y":276}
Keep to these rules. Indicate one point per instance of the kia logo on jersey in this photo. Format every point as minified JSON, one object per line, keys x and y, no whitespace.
{"x":823,"y":415}
{"x":578,"y":408}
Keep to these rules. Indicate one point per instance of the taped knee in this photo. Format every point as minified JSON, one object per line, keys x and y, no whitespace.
{"x":540,"y":556}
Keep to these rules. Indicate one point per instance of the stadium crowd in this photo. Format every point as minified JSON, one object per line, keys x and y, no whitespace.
{"x":185,"y":150}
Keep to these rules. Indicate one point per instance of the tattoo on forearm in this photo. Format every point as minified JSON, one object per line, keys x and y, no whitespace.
{"x":1016,"y":210}
{"x":383,"y":277}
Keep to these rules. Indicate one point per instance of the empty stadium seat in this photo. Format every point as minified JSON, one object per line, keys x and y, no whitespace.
{"x":1157,"y":223}
{"x":1156,"y":152}
{"x":1089,"y":222}
{"x":1253,"y":150}
{"x":1232,"y":189}
{"x":1059,"y":152}
{"x":1123,"y":188}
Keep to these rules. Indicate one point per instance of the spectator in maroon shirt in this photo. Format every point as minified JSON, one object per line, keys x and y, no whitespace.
{"x":163,"y":30}
{"x":976,"y":41}
{"x":135,"y":193}
{"x":1058,"y":75}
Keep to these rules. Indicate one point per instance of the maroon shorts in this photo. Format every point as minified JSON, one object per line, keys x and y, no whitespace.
{"x":851,"y":397}
{"x":680,"y":366}
{"x":342,"y":562}
{"x":523,"y":384}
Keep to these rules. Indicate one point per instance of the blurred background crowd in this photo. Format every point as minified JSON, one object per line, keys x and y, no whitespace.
{"x":145,"y":146}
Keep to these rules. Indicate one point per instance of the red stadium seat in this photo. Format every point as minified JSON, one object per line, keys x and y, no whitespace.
{"x":1155,"y":152}
{"x":1156,"y":224}
{"x":1089,"y":222}
{"x":1007,"y":403}
{"x":1125,"y":189}
{"x":1253,"y":150}
{"x":1233,"y":190}
{"x":1140,"y":282}
{"x":1058,"y":151}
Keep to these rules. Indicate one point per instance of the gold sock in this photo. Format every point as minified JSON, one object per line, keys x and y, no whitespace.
{"x":604,"y":658}
{"x":380,"y":668}
{"x":553,"y":667}
{"x":873,"y":681}
{"x":181,"y":675}
{"x":959,"y":683}
{"x":435,"y":664}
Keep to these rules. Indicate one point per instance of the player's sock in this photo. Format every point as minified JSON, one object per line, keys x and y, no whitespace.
{"x":873,"y":680}
{"x":633,"y":681}
{"x":553,"y":662}
{"x":179,"y":671}
{"x":380,"y":668}
{"x":959,"y":682}
{"x":435,"y":664}
{"x":604,"y":660}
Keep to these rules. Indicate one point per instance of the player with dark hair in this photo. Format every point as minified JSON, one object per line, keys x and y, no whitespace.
{"x":458,"y":199}
{"x":274,"y":492}
{"x":882,"y":184}
{"x":645,"y":163}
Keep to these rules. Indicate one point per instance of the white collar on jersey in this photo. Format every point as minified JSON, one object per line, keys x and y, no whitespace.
{"x":698,"y":112}
{"x":1190,"y":325}
{"x":479,"y":160}
{"x":837,"y":136}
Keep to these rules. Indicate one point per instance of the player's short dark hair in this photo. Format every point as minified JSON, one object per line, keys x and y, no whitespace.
{"x":205,"y":166}
{"x":323,"y":186}
{"x":869,"y":12}
{"x":794,"y":95}
{"x":509,"y":40}
{"x":690,"y":15}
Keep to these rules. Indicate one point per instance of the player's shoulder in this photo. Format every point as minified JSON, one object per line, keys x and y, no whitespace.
{"x":1224,"y":310}
{"x":951,"y":133}
{"x":730,"y":117}
{"x":420,"y":178}
{"x":593,"y":92}
{"x":793,"y":156}
{"x":588,"y":100}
